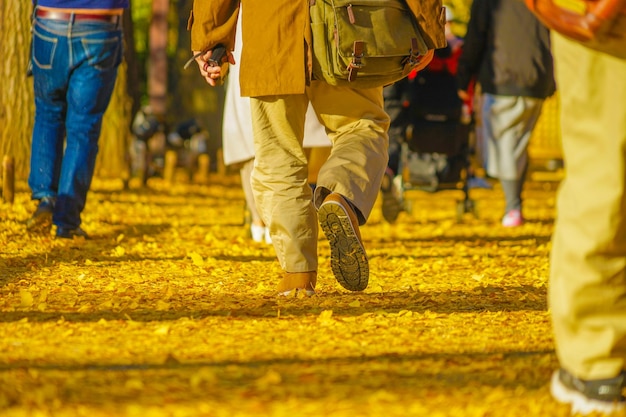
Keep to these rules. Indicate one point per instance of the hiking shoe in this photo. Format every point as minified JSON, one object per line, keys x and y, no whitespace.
{"x":348,"y":260}
{"x":294,"y":283}
{"x":71,"y":233}
{"x":41,"y":220}
{"x":392,"y":197}
{"x":513,"y":218}
{"x":600,"y":395}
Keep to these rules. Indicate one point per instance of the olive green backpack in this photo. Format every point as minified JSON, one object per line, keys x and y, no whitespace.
{"x":365,"y":43}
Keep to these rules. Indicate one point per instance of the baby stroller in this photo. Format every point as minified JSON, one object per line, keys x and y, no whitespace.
{"x":153,"y":141}
{"x":435,"y":154}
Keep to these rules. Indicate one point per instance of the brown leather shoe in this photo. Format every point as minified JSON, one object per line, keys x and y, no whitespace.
{"x":348,"y":259}
{"x":296,"y":282}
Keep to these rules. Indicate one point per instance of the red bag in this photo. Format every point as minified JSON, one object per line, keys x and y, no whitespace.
{"x":595,"y":21}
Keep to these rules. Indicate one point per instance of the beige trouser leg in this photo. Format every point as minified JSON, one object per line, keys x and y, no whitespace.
{"x":280,"y":180}
{"x":357,"y":127}
{"x":588,"y":263}
{"x":356,"y":124}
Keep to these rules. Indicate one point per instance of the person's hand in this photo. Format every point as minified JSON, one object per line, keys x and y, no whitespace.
{"x":214,"y":75}
{"x":463,"y":95}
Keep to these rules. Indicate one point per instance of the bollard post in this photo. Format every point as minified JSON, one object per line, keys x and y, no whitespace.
{"x":204,"y":165}
{"x":8,"y":179}
{"x":169,"y":167}
{"x":221,"y":167}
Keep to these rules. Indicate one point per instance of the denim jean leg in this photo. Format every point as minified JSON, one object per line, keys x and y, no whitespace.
{"x":96,"y":53}
{"x":47,"y":148}
{"x":50,"y":69}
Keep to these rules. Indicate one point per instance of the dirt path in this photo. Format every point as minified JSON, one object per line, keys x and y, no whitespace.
{"x":169,"y":311}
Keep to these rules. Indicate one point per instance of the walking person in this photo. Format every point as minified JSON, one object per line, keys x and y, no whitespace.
{"x":507,"y":51}
{"x":77,"y":48}
{"x":587,"y":291}
{"x":275,"y":72}
{"x":238,"y":142}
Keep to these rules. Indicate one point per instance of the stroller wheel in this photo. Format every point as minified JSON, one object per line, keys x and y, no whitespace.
{"x":463,"y":207}
{"x":391,"y":190}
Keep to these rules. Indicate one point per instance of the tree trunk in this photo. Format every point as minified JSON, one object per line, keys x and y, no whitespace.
{"x":112,"y":161}
{"x":16,"y":94}
{"x":130,"y":56}
{"x":157,"y":64}
{"x":115,"y":138}
{"x":191,"y":96}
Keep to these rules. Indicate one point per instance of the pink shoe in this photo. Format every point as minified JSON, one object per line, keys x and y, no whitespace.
{"x":513,"y":218}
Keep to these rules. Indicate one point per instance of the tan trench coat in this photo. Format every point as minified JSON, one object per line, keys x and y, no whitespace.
{"x":274,"y":64}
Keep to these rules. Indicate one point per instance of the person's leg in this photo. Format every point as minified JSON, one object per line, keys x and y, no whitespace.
{"x":393,"y":96}
{"x":258,"y":231}
{"x":508,"y":122}
{"x":587,"y":292}
{"x":358,"y":129}
{"x":350,"y":180}
{"x":280,"y":184}
{"x":50,"y":74}
{"x":513,"y":192}
{"x":96,"y":54}
{"x":246,"y":173}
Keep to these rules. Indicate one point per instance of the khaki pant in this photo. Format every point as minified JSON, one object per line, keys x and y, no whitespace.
{"x":588,"y":263}
{"x":357,"y":127}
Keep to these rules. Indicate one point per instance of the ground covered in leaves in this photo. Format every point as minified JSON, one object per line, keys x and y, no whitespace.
{"x":170,"y":311}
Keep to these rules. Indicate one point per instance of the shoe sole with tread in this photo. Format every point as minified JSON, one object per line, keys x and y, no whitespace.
{"x":348,"y":259}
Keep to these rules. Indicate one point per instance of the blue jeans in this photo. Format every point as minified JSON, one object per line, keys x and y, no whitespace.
{"x":74,"y":70}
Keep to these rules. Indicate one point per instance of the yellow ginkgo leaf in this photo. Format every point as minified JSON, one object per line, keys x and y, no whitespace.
{"x":26,"y":298}
{"x":162,"y":330}
{"x":196,"y":258}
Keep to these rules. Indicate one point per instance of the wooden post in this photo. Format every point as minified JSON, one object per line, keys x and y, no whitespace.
{"x":203,"y":167}
{"x":8,"y":179}
{"x":157,"y":68}
{"x":169,"y":167}
{"x":221,"y":167}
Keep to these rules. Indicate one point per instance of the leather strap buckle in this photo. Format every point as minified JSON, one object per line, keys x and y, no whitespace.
{"x":356,"y":64}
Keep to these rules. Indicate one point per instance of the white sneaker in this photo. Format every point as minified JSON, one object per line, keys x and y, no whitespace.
{"x":258,"y":233}
{"x":268,"y":238}
{"x":513,"y":218}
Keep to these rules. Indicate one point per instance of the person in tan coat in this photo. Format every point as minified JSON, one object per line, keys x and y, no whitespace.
{"x":276,"y":72}
{"x":587,"y":287}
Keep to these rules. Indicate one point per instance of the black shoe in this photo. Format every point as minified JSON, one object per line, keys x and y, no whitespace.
{"x":348,"y":259}
{"x":71,"y":233}
{"x":41,"y":220}
{"x":598,"y":395}
{"x":392,"y":198}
